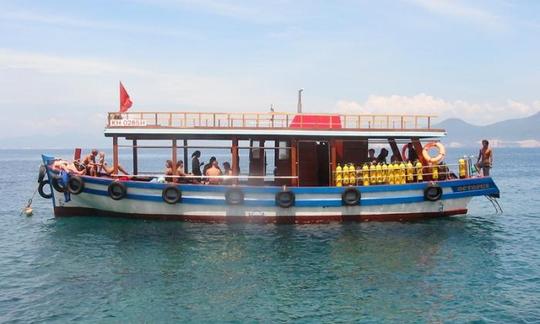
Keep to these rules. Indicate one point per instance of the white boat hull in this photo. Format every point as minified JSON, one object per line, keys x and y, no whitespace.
{"x":205,"y":203}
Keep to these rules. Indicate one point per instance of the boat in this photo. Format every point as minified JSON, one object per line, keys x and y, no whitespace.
{"x":322,"y":172}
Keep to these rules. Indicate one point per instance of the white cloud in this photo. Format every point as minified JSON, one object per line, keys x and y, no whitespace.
{"x":255,"y":11}
{"x":40,"y":89}
{"x":50,"y":64}
{"x":475,"y":113}
{"x":460,"y":9}
{"x":80,"y":22}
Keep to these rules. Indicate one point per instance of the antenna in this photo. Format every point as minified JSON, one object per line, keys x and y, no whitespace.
{"x":300,"y":100}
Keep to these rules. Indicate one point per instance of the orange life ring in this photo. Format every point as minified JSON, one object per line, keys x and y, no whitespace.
{"x":403,"y":151}
{"x":436,"y":159}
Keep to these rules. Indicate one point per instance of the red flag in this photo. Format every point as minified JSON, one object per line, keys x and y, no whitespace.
{"x":125,"y":102}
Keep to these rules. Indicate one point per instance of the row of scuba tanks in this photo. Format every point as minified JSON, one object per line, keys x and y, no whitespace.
{"x":382,"y":173}
{"x":394,"y":173}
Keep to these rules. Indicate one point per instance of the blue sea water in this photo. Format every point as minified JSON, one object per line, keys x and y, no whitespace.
{"x":481,"y":267}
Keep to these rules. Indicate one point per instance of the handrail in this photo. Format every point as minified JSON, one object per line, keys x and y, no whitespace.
{"x":190,"y":176}
{"x":276,"y":120}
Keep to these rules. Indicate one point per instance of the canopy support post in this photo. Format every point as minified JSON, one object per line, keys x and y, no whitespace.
{"x":294,"y":163}
{"x":186,"y":163}
{"x":418,"y":148}
{"x":333,"y":161}
{"x":174,"y":152}
{"x":395,"y":149}
{"x":115,"y":155}
{"x":234,"y":159}
{"x":135,"y":158}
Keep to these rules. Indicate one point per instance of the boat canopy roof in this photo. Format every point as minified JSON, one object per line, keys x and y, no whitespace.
{"x":205,"y":125}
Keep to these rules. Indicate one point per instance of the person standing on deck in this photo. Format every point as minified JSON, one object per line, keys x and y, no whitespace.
{"x":196,"y":164}
{"x":371,"y":156}
{"x":412,"y":156}
{"x":485,"y":159}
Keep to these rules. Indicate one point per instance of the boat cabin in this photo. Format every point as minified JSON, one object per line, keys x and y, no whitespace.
{"x":306,"y":148}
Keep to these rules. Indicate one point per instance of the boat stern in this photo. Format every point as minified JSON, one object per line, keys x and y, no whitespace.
{"x":476,"y":186}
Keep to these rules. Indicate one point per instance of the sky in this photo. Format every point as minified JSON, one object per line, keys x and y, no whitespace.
{"x":61,"y":61}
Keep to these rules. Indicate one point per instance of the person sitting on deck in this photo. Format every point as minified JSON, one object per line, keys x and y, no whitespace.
{"x":104,"y":168}
{"x":196,"y":165}
{"x":180,"y":171}
{"x":382,"y":156}
{"x":411,"y":152}
{"x":227,"y":171}
{"x":70,"y":168}
{"x":371,"y":155}
{"x":169,"y":171}
{"x":213,"y":171}
{"x":90,"y":163}
{"x":210,"y":164}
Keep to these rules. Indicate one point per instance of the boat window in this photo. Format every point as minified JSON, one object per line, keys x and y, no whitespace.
{"x":255,"y":150}
{"x":283,"y":151}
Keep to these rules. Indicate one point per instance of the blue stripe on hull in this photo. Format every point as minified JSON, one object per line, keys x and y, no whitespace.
{"x":304,"y":202}
{"x":299,"y":190}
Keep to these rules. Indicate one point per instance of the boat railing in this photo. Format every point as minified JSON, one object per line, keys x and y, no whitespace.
{"x":275,"y":120}
{"x":190,"y":176}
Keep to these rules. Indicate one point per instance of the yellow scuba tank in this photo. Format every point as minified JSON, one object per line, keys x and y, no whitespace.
{"x":372,"y":174}
{"x":410,"y":172}
{"x":365,"y":175}
{"x":391,"y":173}
{"x":384,"y":169}
{"x":402,"y":173}
{"x":352,"y":175}
{"x":435,"y":172}
{"x":339,"y":180}
{"x":339,"y":176}
{"x":419,"y":172}
{"x":345,"y":175}
{"x":378,"y":172}
{"x":462,"y":168}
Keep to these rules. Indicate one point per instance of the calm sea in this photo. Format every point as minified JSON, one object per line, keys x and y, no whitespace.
{"x":480,"y":267}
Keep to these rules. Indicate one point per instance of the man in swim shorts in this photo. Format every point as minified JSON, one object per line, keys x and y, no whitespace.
{"x":90,"y":163}
{"x":485,"y":159}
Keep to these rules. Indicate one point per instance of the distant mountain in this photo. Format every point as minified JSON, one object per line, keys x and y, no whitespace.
{"x":522,"y":132}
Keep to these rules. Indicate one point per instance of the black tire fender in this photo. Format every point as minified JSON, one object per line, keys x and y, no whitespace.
{"x":117,"y":190}
{"x":41,"y":192}
{"x":55,"y":183}
{"x":171,"y":195}
{"x":351,"y":197}
{"x":42,"y":172}
{"x":234,"y":196}
{"x":75,"y":185}
{"x":285,"y":199}
{"x":433,"y":192}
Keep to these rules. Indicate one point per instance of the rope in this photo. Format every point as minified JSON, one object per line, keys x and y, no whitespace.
{"x":29,"y":202}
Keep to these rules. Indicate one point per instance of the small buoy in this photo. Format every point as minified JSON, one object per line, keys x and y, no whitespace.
{"x":28,"y":211}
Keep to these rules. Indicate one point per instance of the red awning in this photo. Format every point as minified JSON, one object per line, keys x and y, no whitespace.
{"x":316,"y":121}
